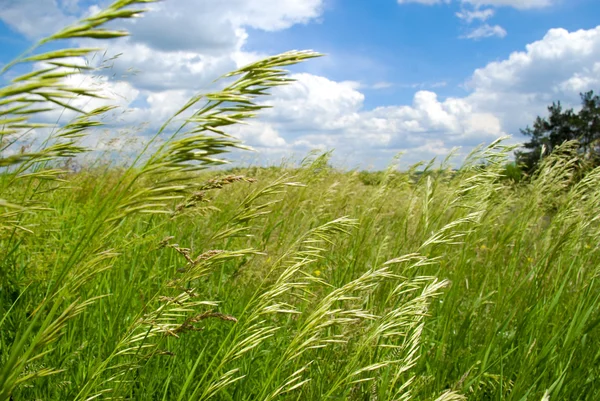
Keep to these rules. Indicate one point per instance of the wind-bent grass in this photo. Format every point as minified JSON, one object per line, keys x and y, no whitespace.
{"x":269,"y":312}
{"x":162,"y":281}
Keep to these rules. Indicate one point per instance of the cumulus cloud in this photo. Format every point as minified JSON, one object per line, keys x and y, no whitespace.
{"x":557,"y":67}
{"x":157,"y":70}
{"x":260,"y":134}
{"x":318,"y":112}
{"x":315,"y":103}
{"x":182,"y":43}
{"x":217,"y":26}
{"x":35,"y":19}
{"x":198,"y":41}
{"x":505,"y":96}
{"x":110,"y":92}
{"x":175,"y":51}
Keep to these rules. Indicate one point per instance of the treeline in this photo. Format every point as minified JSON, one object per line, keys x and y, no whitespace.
{"x":562,"y":125}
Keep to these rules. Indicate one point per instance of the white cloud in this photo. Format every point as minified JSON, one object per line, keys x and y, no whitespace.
{"x":315,"y":103}
{"x":109,"y":92}
{"x":470,"y":16}
{"x":180,"y":43}
{"x":581,"y":81}
{"x":317,"y":112}
{"x":217,"y":26}
{"x":558,"y":56}
{"x":198,"y":41}
{"x":471,"y":11}
{"x":260,"y":134}
{"x":176,"y":50}
{"x":34,"y":19}
{"x":158,"y":70}
{"x":184,"y":24}
{"x":486,"y":31}
{"x":557,"y":67}
{"x":504,"y":96}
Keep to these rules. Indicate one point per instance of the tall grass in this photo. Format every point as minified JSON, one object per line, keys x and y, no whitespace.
{"x":168,"y":281}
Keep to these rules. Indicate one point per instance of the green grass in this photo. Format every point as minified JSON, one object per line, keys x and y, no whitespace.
{"x":519,"y":314}
{"x":169,"y":280}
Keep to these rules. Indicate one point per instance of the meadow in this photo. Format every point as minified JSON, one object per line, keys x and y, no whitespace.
{"x":171,"y":279}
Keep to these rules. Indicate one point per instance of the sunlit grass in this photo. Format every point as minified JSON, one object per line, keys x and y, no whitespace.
{"x":167,"y":280}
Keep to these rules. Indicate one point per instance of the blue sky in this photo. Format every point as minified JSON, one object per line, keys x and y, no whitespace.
{"x":412,"y":44}
{"x":419,"y":76}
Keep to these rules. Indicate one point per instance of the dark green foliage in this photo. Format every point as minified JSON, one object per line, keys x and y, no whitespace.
{"x":513,"y":172}
{"x":371,"y":177}
{"x":564,"y":125}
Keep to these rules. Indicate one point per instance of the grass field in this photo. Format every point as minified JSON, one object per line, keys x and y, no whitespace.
{"x":421,"y":284}
{"x":169,"y":280}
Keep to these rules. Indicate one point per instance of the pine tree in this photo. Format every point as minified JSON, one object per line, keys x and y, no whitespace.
{"x":563,"y":125}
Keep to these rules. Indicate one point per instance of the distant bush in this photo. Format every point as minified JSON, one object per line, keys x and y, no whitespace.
{"x":371,"y":177}
{"x":513,"y":172}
